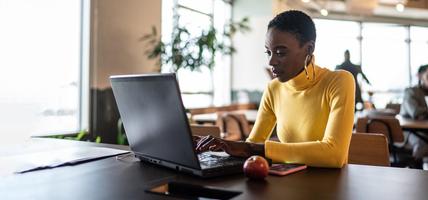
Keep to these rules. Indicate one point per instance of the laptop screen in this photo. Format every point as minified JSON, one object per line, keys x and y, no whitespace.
{"x":154,"y":118}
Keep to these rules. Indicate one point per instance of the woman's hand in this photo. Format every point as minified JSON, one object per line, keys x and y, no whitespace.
{"x":196,"y":139}
{"x":210,"y":143}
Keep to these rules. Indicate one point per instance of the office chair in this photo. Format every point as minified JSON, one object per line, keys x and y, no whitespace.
{"x":234,"y":126}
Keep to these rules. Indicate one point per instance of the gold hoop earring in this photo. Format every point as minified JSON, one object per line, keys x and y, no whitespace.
{"x":306,"y":67}
{"x":313,"y":71}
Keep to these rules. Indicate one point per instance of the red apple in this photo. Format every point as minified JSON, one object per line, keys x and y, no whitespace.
{"x":256,"y":167}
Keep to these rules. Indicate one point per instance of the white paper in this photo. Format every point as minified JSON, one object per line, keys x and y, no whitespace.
{"x":55,"y":158}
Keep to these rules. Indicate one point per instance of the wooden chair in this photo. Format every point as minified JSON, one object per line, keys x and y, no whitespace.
{"x":390,"y":127}
{"x":394,"y":106}
{"x":369,"y":149}
{"x":204,"y":130}
{"x":234,"y":126}
{"x":386,"y":112}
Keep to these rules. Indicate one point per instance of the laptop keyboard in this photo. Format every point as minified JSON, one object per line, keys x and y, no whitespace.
{"x":211,"y":160}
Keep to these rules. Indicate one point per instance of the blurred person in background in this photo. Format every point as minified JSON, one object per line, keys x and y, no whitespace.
{"x":355,"y":70}
{"x":414,"y":106}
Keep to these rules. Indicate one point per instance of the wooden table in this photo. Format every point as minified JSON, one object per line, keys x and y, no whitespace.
{"x":127,"y":179}
{"x":416,"y":127}
{"x":412,"y":125}
{"x":251,"y":116}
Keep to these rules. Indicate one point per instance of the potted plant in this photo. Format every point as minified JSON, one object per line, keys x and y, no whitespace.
{"x":193,"y":52}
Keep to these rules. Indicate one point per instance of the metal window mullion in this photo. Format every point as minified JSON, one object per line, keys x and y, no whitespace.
{"x":409,"y":55}
{"x":81,"y":67}
{"x":360,"y":42}
{"x":83,"y":64}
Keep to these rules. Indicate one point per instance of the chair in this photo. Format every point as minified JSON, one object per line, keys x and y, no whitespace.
{"x":386,"y":112}
{"x":368,"y":149}
{"x":204,"y":130}
{"x":396,"y":107}
{"x":235,"y":126}
{"x":213,"y":110}
{"x":390,"y":127}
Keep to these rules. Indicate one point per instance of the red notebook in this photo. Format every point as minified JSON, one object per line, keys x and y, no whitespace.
{"x":285,"y":169}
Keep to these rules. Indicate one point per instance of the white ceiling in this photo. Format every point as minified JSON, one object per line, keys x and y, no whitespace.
{"x":383,"y":10}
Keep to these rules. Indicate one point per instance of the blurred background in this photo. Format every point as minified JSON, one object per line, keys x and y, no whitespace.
{"x":57,"y":55}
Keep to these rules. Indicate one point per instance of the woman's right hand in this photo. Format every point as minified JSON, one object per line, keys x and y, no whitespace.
{"x":210,"y":143}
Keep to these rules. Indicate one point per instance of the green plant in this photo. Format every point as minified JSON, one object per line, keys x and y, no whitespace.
{"x":121,"y":136}
{"x":192,"y":52}
{"x":81,"y":136}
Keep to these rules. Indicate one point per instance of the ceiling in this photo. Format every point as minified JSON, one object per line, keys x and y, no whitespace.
{"x":367,"y":10}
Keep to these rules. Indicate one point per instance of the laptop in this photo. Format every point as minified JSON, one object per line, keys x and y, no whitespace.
{"x":157,"y":127}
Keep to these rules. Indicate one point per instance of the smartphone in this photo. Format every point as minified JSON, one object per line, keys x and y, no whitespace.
{"x":191,"y":191}
{"x":285,"y":169}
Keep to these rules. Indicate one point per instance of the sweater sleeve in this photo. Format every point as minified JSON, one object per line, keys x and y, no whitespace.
{"x":265,"y":121}
{"x":332,"y":150}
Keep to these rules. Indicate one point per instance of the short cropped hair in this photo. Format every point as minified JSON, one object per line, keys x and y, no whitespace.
{"x":297,"y":23}
{"x":422,"y":69}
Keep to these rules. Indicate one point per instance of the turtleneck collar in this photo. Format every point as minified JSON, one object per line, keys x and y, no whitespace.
{"x":302,"y":80}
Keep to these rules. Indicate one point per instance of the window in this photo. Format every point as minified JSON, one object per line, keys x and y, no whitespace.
{"x":390,"y":54}
{"x":331,"y":45}
{"x":43,"y":47}
{"x":418,"y":49}
{"x":385,"y":60}
{"x":196,"y":16}
{"x":198,"y":88}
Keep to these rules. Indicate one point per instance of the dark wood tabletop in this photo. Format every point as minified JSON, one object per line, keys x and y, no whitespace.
{"x":417,"y":127}
{"x":111,"y":178}
{"x":413,"y":125}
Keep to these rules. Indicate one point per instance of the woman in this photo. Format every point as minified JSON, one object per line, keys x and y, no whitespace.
{"x":312,"y":107}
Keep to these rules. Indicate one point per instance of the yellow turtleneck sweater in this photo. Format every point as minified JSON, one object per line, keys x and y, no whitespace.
{"x":314,"y":118}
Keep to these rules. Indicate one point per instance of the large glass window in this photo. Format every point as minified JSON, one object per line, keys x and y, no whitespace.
{"x":385,"y":59}
{"x":333,"y":38}
{"x":385,"y":55}
{"x":198,"y":88}
{"x":418,"y":49}
{"x":390,"y":54}
{"x":41,"y":50}
{"x":196,"y":16}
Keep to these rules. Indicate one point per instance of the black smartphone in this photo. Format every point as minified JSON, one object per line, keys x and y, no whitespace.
{"x":191,"y":191}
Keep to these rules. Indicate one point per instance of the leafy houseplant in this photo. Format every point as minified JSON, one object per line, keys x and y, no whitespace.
{"x":81,"y":136}
{"x":193,"y":52}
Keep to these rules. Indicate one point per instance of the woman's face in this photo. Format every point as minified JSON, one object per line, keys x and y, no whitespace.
{"x":424,"y":79}
{"x":286,"y":56}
